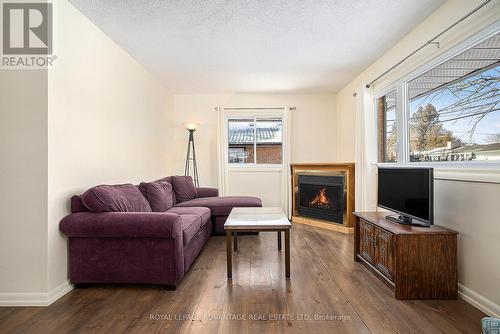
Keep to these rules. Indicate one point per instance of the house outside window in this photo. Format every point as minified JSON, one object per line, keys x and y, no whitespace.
{"x":238,"y":155}
{"x":255,"y":141}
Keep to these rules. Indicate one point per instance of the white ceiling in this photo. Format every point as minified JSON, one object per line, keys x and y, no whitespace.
{"x":254,"y":46}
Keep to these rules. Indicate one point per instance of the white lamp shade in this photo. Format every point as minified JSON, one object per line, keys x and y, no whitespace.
{"x":191,"y":126}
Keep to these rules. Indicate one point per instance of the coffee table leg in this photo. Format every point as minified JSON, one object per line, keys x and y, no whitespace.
{"x":229,"y":250}
{"x":235,"y":236}
{"x":287,"y":253}
{"x":279,"y":240}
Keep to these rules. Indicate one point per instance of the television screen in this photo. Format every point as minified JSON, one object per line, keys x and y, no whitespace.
{"x":408,"y":191}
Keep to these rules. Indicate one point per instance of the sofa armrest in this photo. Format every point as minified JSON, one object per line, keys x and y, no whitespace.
{"x":207,"y":192}
{"x":122,"y":225}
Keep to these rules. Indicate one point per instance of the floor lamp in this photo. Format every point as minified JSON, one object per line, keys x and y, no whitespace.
{"x":191,"y":155}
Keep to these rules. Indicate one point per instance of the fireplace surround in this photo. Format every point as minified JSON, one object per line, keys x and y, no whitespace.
{"x":343,"y":170}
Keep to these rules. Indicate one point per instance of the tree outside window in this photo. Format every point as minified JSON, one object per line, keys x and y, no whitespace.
{"x":459,"y":121}
{"x":452,"y":110}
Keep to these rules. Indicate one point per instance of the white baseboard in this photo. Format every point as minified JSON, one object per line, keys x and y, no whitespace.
{"x":478,"y":301}
{"x":58,"y":292}
{"x":47,"y":298}
{"x":34,"y":298}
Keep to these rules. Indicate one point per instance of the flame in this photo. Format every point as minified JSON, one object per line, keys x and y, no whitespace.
{"x":321,"y":199}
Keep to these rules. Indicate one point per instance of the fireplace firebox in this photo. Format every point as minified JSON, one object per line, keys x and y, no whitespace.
{"x":321,"y":197}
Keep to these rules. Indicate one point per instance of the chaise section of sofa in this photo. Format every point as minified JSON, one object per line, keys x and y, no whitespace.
{"x":221,"y":207}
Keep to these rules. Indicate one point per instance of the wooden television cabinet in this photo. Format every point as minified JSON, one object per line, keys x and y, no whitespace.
{"x":415,"y":262}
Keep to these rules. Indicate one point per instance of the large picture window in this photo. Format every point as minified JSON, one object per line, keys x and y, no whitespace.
{"x":255,"y":140}
{"x":452,"y":111}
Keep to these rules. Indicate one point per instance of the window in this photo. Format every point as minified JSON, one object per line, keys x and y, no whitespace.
{"x":241,"y":141}
{"x":452,"y":110}
{"x":238,"y":155}
{"x":459,"y":120}
{"x":255,"y":140}
{"x":386,"y":115}
{"x":269,"y":141}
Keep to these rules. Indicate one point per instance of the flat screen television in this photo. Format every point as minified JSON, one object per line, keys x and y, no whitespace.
{"x":409,"y":192}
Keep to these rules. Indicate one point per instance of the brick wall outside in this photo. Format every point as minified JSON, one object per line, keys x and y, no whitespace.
{"x":266,"y":154}
{"x":270,"y":154}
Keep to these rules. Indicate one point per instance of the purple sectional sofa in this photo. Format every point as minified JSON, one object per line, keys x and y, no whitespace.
{"x":150,"y":233}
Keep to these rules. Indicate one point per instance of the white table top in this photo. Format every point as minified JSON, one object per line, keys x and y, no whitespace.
{"x":268,"y":218}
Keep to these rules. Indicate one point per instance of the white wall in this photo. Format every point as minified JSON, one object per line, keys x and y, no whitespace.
{"x":472,"y":209}
{"x":97,"y":117}
{"x":469,"y":208}
{"x":313,"y":127}
{"x":23,"y":179}
{"x":266,"y":185}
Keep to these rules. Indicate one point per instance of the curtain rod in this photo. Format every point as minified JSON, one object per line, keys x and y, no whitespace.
{"x":250,"y":108}
{"x":431,"y":41}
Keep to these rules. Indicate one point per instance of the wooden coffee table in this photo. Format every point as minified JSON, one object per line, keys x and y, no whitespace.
{"x":256,"y":220}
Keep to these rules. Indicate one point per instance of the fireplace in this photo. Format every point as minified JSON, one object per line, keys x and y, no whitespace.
{"x":321,"y":197}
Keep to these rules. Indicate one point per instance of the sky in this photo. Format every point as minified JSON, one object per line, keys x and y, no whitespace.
{"x":489,"y":125}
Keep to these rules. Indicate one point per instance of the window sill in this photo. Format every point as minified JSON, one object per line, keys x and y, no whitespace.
{"x":255,"y":168}
{"x":467,"y":174}
{"x":482,"y":172}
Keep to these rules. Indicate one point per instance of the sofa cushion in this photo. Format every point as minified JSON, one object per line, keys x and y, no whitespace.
{"x":158,"y":194}
{"x":115,"y":198}
{"x":222,"y":206}
{"x":206,"y":192}
{"x":184,"y":188}
{"x":169,"y":180}
{"x":192,"y":219}
{"x":202,"y":212}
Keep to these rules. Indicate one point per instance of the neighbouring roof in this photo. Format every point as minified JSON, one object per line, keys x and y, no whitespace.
{"x":474,"y":148}
{"x":266,"y":134}
{"x":478,"y":57}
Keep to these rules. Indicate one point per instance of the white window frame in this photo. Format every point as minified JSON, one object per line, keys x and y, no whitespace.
{"x":402,"y":109}
{"x":398,"y":106}
{"x":255,"y":116}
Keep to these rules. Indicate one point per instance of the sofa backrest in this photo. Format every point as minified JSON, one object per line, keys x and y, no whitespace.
{"x":169,"y":180}
{"x":115,"y":198}
{"x":77,"y":204}
{"x":158,"y":194}
{"x":165,"y":179}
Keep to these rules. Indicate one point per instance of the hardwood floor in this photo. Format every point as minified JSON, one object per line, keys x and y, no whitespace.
{"x":325,"y":284}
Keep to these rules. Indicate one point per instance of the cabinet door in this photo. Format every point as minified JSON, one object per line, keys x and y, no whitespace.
{"x":384,"y":259}
{"x":366,"y":241}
